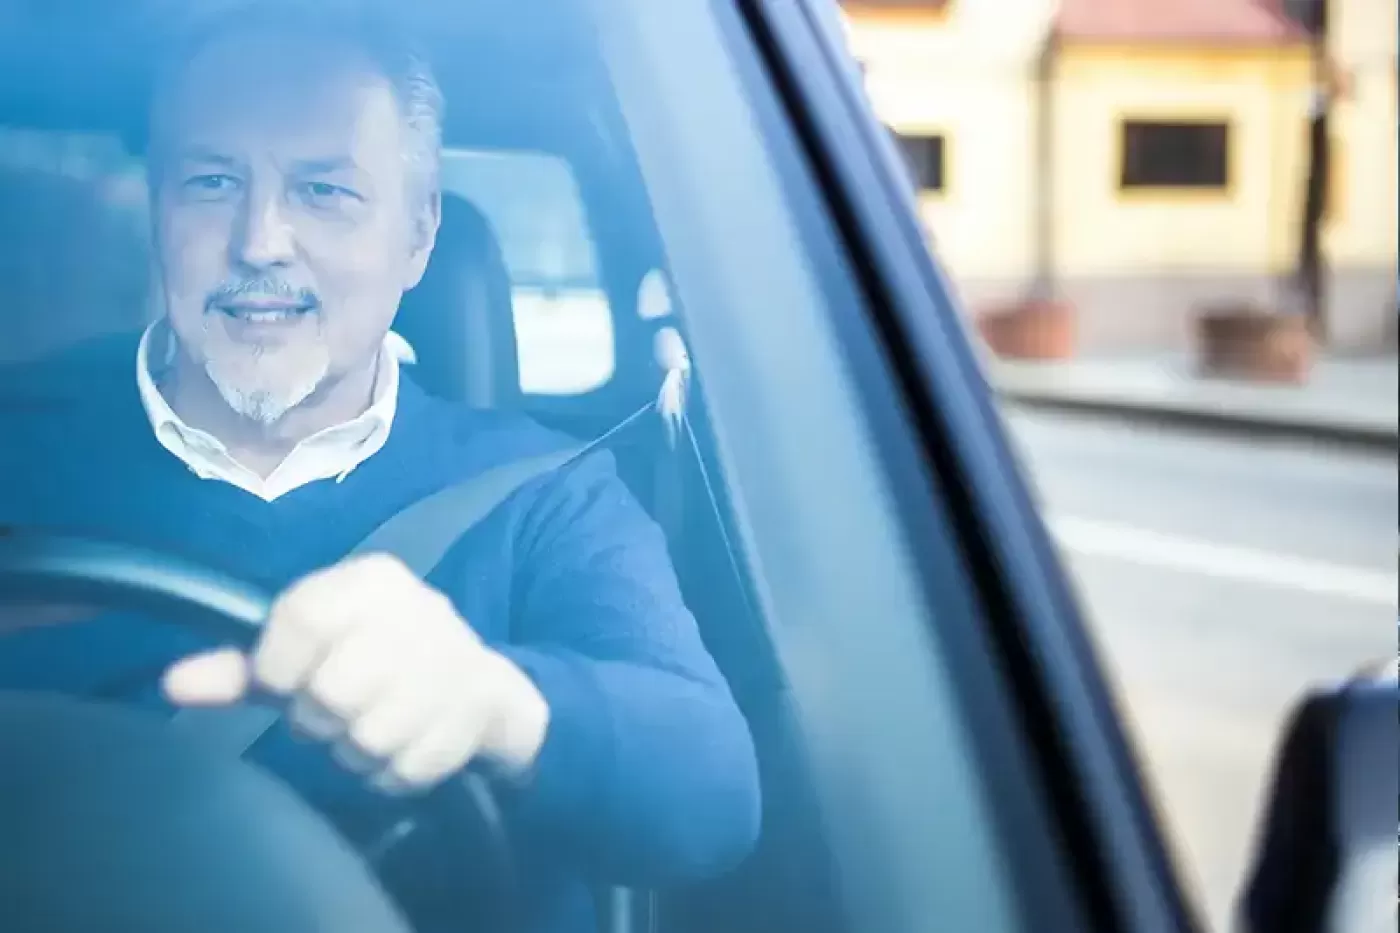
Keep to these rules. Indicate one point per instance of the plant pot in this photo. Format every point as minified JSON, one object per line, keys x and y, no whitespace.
{"x":1254,"y":345}
{"x":1034,"y":329}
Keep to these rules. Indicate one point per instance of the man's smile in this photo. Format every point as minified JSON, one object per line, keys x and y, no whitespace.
{"x":264,"y":310}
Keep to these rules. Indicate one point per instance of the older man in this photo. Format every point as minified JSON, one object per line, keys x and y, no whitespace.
{"x":266,"y":429}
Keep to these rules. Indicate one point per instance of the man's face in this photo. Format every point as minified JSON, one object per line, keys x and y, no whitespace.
{"x":287,"y":229}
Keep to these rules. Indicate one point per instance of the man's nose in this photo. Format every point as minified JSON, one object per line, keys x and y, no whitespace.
{"x":266,"y":238}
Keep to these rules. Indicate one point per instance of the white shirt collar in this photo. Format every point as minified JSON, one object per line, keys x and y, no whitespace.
{"x":331,"y":453}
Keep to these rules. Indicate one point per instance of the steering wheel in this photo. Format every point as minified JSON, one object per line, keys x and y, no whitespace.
{"x":128,"y":805}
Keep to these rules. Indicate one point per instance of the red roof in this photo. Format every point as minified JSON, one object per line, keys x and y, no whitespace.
{"x":1244,"y":22}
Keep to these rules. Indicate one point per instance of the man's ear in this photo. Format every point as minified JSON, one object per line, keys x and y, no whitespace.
{"x":423,"y":239}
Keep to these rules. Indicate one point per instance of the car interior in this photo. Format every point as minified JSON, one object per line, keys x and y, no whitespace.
{"x":514,"y":85}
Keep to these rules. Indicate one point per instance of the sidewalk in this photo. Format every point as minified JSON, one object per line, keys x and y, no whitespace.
{"x":1345,"y":399}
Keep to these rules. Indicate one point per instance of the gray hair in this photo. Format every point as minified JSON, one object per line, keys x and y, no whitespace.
{"x":395,"y":55}
{"x":420,"y":98}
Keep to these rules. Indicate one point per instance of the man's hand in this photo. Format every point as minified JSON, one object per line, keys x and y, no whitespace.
{"x":377,"y":662}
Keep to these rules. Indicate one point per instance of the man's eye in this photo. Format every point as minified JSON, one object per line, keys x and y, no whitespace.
{"x":211,"y":184}
{"x":326,"y":194}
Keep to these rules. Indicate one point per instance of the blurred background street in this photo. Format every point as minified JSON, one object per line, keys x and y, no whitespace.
{"x":1173,"y":228}
{"x":1221,"y":575}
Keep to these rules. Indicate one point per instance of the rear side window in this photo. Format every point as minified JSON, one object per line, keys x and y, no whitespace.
{"x":73,"y":240}
{"x":563,"y":322}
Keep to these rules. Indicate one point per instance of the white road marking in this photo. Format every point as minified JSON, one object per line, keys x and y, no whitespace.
{"x":1207,"y":558}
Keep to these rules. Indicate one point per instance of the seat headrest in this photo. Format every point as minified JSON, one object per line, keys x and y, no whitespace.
{"x":460,"y":320}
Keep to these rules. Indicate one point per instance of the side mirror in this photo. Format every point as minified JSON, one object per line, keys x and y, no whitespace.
{"x":1327,"y":858}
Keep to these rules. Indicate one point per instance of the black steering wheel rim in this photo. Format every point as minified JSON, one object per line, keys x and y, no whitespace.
{"x":38,"y":567}
{"x":42,"y":567}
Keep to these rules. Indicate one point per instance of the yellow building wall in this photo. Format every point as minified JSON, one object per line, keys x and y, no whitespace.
{"x":1364,"y":128}
{"x":965,"y":73}
{"x":961,"y":35}
{"x":1251,"y":228}
{"x":969,"y":74}
{"x":983,"y":221}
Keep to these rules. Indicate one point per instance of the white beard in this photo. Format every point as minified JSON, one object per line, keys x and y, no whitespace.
{"x":265,"y":404}
{"x":263,"y":385}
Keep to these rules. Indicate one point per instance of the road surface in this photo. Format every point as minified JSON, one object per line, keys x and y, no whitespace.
{"x":1221,"y":576}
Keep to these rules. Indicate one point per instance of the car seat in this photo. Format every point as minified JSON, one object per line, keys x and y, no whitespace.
{"x":459,"y":320}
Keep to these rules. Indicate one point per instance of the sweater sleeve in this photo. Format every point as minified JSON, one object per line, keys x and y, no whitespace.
{"x":647,"y":776}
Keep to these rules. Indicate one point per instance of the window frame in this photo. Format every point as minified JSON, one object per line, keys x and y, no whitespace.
{"x":905,"y":138}
{"x":1165,"y":190}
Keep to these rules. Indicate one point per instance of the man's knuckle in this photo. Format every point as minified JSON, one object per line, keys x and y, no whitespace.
{"x":303,"y":605}
{"x":311,"y":717}
{"x":333,"y":692}
{"x":382,"y":566}
{"x":415,"y":771}
{"x":371,"y":742}
{"x":354,"y":758}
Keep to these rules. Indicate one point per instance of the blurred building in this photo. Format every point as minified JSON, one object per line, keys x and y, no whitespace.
{"x":1360,"y":238}
{"x":1145,"y":158}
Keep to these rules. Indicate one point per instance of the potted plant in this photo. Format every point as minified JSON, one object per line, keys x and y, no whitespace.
{"x":1244,"y":341}
{"x":1030,"y":329}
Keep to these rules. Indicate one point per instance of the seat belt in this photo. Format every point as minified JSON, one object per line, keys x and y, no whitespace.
{"x":420,"y":535}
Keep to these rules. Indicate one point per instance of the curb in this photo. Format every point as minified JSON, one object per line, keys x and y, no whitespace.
{"x":1368,"y":437}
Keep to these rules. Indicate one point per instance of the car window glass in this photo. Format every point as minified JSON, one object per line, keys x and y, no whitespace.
{"x":563,"y":320}
{"x":1186,"y":297}
{"x":73,"y":220}
{"x":705,"y":219}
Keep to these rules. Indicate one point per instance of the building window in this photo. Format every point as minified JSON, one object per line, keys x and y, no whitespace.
{"x":1311,"y":15}
{"x":1182,"y":155}
{"x":927,"y":160}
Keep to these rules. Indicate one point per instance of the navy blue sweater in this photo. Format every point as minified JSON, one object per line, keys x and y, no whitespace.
{"x":647,"y":776}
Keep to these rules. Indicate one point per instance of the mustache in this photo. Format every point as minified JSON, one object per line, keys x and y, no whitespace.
{"x":259,"y":289}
